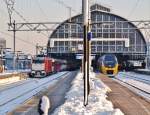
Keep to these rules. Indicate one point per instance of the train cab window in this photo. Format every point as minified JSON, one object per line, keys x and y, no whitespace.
{"x":110,"y":60}
{"x":38,"y":60}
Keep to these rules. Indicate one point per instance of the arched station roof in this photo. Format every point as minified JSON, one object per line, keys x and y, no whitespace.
{"x":105,"y":26}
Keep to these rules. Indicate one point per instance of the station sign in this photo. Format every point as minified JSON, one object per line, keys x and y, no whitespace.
{"x":89,"y":36}
{"x":80,"y":56}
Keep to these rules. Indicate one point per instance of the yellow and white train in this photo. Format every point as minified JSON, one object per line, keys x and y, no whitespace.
{"x":108,"y":64}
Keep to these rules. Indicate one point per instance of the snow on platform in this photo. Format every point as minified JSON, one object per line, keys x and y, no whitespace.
{"x":15,"y":96}
{"x":9,"y":72}
{"x":97,"y":104}
{"x":10,"y":76}
{"x":10,"y":80}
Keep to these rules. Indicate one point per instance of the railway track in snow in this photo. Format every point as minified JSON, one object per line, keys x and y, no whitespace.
{"x":141,"y":86}
{"x":134,"y":86}
{"x":24,"y":91}
{"x":7,"y":87}
{"x":147,"y":81}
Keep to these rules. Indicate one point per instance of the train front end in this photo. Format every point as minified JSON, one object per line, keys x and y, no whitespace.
{"x":109,"y":65}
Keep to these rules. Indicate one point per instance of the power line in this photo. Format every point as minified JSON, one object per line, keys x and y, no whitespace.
{"x":2,"y":10}
{"x":41,"y":9}
{"x":134,"y":8}
{"x":66,"y":6}
{"x":21,"y":16}
{"x":18,"y":38}
{"x":10,"y":5}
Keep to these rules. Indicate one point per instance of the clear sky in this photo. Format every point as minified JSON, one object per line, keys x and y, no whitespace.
{"x":53,"y":11}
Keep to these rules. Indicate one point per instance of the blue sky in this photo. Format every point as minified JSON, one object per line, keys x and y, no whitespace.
{"x":52,"y":10}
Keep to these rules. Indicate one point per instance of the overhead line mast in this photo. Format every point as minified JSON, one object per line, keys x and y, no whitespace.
{"x":10,"y":7}
{"x":86,"y":50}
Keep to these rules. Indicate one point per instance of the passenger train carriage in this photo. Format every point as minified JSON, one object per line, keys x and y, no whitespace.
{"x":108,"y":64}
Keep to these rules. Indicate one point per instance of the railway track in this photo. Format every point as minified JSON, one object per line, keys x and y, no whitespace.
{"x":140,"y":86}
{"x":147,"y":81}
{"x":26,"y":92}
{"x":126,"y":97}
{"x":14,"y":85}
{"x":147,"y":92}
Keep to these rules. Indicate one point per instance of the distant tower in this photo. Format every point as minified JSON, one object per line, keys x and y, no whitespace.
{"x":2,"y":43}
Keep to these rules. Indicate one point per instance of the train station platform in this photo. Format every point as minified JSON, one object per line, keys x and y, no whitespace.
{"x":6,"y":78}
{"x":124,"y":99}
{"x":55,"y":92}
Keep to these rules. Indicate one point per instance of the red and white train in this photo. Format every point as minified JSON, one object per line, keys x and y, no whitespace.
{"x":43,"y":66}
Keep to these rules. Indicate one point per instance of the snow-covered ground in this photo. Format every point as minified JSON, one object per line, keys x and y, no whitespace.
{"x":138,"y":81}
{"x":10,"y":80}
{"x":97,"y":104}
{"x":8,"y":72}
{"x":16,"y":78}
{"x":17,"y":94}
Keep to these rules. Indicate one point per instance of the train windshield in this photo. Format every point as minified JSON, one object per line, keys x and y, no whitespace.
{"x":110,"y":60}
{"x":38,"y":60}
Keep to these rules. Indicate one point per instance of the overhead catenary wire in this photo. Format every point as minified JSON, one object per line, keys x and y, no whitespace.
{"x":41,"y":9}
{"x":21,"y":39}
{"x":10,"y":5}
{"x":21,"y":16}
{"x":3,"y":12}
{"x":134,"y":8}
{"x":66,"y":6}
{"x":29,"y":26}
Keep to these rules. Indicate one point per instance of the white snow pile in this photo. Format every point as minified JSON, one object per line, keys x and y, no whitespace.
{"x":97,"y":102}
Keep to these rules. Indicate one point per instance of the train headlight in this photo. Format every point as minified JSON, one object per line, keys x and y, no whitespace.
{"x":33,"y":72}
{"x":102,"y":64}
{"x":109,"y":66}
{"x":43,"y":72}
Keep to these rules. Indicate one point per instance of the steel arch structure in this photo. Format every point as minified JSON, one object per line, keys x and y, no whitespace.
{"x":111,"y":34}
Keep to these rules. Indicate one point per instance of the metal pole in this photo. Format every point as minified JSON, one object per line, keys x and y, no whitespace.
{"x":17,"y":61}
{"x":1,"y":63}
{"x":89,"y":49}
{"x":14,"y":31}
{"x":69,"y":35}
{"x":37,"y":49}
{"x":85,"y":22}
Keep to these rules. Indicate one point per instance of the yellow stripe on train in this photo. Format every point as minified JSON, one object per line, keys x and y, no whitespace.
{"x":109,"y":70}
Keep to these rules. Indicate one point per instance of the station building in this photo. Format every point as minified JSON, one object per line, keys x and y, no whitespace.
{"x":111,"y":33}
